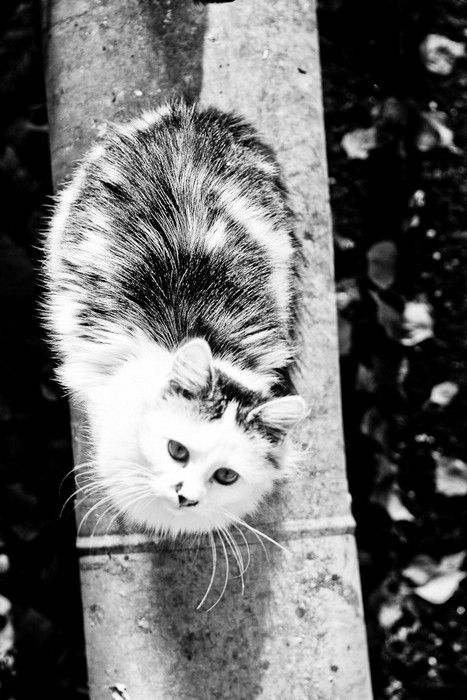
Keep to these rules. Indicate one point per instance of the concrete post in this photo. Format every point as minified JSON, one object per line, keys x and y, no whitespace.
{"x":297,"y":632}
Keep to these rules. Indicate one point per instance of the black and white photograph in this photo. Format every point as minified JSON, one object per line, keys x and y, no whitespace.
{"x":233,"y":368}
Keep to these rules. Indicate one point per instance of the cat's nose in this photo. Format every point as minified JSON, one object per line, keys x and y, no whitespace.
{"x":182,"y":501}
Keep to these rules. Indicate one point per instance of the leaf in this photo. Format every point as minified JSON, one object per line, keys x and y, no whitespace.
{"x":435,"y":134}
{"x":359,"y":142}
{"x":365,"y":380}
{"x":374,"y":426}
{"x":385,"y":469}
{"x":417,"y":200}
{"x":389,"y":614}
{"x":388,"y":497}
{"x":395,"y":508}
{"x":388,"y":317}
{"x":439,"y":54}
{"x":420,"y":570}
{"x":344,"y":329}
{"x":347,"y":292}
{"x":417,"y":323}
{"x":424,"y":568}
{"x":5,"y":607}
{"x":442,"y":394}
{"x":412,"y":326}
{"x":450,"y":475}
{"x":7,"y":644}
{"x":344,"y":243}
{"x":4,"y":564}
{"x":402,"y":374}
{"x":451,"y":562}
{"x":382,"y":258}
{"x":439,"y":589}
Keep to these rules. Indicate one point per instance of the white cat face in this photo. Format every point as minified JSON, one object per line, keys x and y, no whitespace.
{"x":194,"y":450}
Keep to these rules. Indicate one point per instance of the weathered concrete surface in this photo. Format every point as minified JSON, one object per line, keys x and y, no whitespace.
{"x":298,"y":631}
{"x":291,"y":636}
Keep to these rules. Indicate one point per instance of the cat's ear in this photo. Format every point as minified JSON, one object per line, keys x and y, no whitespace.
{"x":192,"y":368}
{"x":280,"y":414}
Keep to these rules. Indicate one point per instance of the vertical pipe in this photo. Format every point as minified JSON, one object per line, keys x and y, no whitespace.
{"x":298,"y":630}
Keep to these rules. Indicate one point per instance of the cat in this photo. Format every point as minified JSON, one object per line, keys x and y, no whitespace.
{"x":170,"y":274}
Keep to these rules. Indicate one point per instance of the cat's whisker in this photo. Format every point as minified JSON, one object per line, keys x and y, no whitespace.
{"x":113,"y":506}
{"x":111,"y":462}
{"x":238,"y":548}
{"x":105,"y":512}
{"x":197,"y":542}
{"x":214,"y":567}
{"x":246,"y":545}
{"x":105,"y":499}
{"x":89,"y":488}
{"x":69,"y":473}
{"x":223,"y":531}
{"x":240,"y":522}
{"x":226,"y":578}
{"x":262,"y":534}
{"x":139,"y":498}
{"x":237,"y":556}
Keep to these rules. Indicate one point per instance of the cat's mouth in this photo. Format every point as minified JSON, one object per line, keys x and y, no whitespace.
{"x":176,"y":509}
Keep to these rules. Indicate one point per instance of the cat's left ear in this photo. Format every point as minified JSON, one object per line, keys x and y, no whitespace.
{"x":280,"y":414}
{"x":192,"y":368}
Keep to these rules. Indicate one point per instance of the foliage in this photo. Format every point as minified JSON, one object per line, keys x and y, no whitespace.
{"x":395,"y":97}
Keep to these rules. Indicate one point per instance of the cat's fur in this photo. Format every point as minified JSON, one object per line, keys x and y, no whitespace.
{"x":170,"y":286}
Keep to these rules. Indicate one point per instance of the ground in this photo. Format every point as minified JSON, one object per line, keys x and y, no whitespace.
{"x":397,"y":138}
{"x":399,"y":229}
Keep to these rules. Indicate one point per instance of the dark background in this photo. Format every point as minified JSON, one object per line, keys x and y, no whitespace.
{"x":403,"y":208}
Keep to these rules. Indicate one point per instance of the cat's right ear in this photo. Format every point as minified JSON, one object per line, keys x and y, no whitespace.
{"x":192,"y":370}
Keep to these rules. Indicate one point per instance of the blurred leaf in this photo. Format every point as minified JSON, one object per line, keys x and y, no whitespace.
{"x":365,"y":380}
{"x":382,"y":258}
{"x":420,"y":570}
{"x":388,"y":317}
{"x":5,"y":607}
{"x":439,"y":589}
{"x":390,"y":114}
{"x":389,"y":614}
{"x":7,"y":644}
{"x":374,"y":426}
{"x":344,"y":335}
{"x":402,"y":374}
{"x":388,"y":497}
{"x":359,"y":142}
{"x":417,"y":323}
{"x":5,"y":410}
{"x":450,"y":475}
{"x":27,"y":531}
{"x":343,"y":243}
{"x":424,"y":568}
{"x":435,"y":134}
{"x":451,"y":562}
{"x":7,"y":635}
{"x":395,"y":508}
{"x":347,"y":292}
{"x":439,"y":54}
{"x":4,"y":564}
{"x":417,"y":200}
{"x":442,"y":394}
{"x":385,"y":469}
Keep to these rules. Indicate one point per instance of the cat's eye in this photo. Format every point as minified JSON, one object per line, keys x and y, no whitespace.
{"x":225,"y":476}
{"x":177,"y":451}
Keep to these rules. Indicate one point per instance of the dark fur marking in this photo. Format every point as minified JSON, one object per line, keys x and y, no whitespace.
{"x":159,"y":283}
